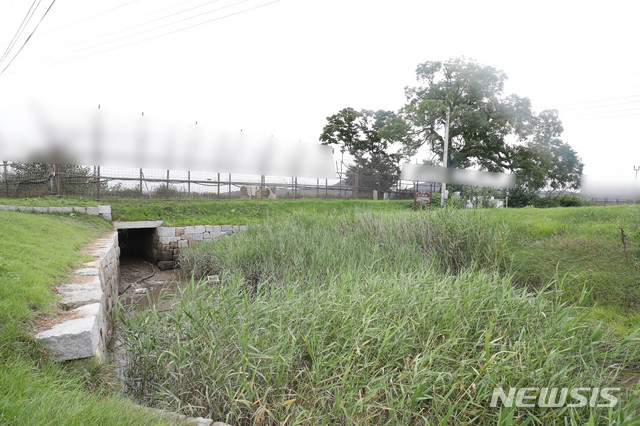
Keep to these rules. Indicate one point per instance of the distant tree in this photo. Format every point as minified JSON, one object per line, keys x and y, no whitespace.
{"x":380,"y":172}
{"x":481,"y":118}
{"x":545,"y":161}
{"x":24,"y":171}
{"x":488,"y":130}
{"x":30,"y":175}
{"x":367,"y":136}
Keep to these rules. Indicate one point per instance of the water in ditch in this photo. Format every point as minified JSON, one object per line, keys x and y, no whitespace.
{"x":144,"y":284}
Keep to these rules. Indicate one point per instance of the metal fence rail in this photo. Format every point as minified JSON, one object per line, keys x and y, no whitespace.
{"x":18,"y":180}
{"x":106,"y":182}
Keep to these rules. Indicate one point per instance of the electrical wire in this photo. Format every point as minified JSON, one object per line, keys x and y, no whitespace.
{"x":569,"y":105}
{"x":147,"y":30}
{"x":603,"y":117}
{"x":164,"y":34}
{"x":28,"y":38}
{"x":589,"y":107}
{"x":88,"y":18}
{"x":20,"y":30}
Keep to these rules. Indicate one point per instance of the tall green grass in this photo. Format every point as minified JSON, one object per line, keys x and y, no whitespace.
{"x":318,"y":248}
{"x":368,"y":319}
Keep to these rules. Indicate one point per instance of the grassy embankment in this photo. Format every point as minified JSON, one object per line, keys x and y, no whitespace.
{"x":48,"y":202}
{"x":242,"y":211}
{"x":36,"y":251}
{"x":224,"y":212}
{"x":398,"y":318}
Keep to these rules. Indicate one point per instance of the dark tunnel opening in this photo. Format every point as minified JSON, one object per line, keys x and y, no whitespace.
{"x":136,"y":243}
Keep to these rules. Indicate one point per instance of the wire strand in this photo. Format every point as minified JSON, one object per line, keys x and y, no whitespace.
{"x":20,"y":30}
{"x":28,"y":38}
{"x":161,"y":35}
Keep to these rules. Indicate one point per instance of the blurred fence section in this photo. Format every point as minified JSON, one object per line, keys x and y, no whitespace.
{"x":19,"y":180}
{"x":24,"y":180}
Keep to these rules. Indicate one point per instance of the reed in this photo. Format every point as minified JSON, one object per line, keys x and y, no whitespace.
{"x":368,"y":319}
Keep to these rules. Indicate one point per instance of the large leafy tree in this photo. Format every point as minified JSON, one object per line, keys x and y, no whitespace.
{"x":488,"y":129}
{"x":481,"y":117}
{"x":366,"y":135}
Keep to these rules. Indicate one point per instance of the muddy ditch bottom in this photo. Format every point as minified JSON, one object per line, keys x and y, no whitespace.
{"x":145,"y":285}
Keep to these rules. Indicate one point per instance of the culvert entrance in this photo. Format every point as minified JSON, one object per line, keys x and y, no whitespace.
{"x":142,"y":281}
{"x":136,"y":239}
{"x":136,"y":243}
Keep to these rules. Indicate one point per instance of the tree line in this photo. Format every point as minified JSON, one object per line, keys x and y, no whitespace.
{"x":489,"y":130}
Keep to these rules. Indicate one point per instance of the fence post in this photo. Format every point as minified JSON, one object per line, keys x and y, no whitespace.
{"x":58,"y":182}
{"x":6,"y":183}
{"x":167,"y":184}
{"x":51,"y":181}
{"x":326,"y":189}
{"x":229,"y":186}
{"x":295,"y":191}
{"x":189,"y":183}
{"x":218,"y":186}
{"x":98,"y":185}
{"x":141,"y":182}
{"x":356,"y":186}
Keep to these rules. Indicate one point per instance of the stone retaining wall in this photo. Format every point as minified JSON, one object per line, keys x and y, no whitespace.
{"x":168,"y":241}
{"x":104,"y":211}
{"x":89,"y":297}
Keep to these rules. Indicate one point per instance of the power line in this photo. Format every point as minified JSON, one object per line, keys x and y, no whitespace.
{"x":115,"y":8}
{"x":164,"y":34}
{"x":601,"y":117}
{"x":28,"y":38}
{"x":143,"y":24}
{"x":599,"y":100}
{"x":150,"y":29}
{"x":79,"y":21}
{"x":597,"y":114}
{"x":19,"y":31}
{"x":588,"y":107}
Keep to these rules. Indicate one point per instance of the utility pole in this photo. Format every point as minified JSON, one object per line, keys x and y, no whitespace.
{"x":445,"y":158}
{"x":636,"y":168}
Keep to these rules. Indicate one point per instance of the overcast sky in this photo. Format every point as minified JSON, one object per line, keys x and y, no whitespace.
{"x":282,"y":67}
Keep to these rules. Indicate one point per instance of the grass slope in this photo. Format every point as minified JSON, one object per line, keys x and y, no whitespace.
{"x":580,"y":248}
{"x":37,"y":251}
{"x":241,"y":211}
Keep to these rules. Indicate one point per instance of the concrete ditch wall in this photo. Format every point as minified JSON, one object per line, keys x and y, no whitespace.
{"x":168,"y":240}
{"x":89,"y":298}
{"x":104,"y":211}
